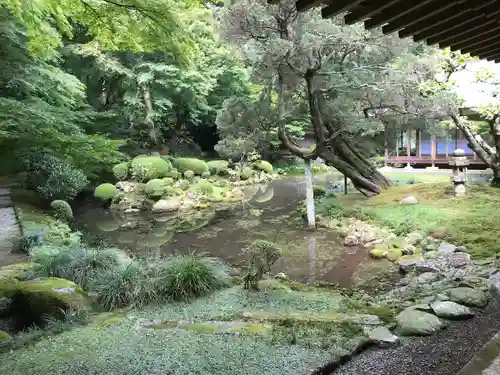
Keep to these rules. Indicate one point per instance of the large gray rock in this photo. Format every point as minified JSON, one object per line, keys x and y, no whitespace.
{"x":494,"y":282}
{"x":409,"y":200}
{"x":164,"y":205}
{"x":351,"y":240}
{"x":451,"y":310}
{"x":468,"y":296}
{"x":414,"y":238}
{"x":427,"y":277}
{"x":412,"y":322}
{"x":447,"y":248}
{"x":382,"y":337}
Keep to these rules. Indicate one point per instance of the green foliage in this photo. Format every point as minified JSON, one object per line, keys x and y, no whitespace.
{"x":319,"y":191}
{"x":218,"y":167}
{"x":192,"y":275}
{"x":168,"y":181}
{"x":154,"y":188}
{"x":205,"y":175}
{"x":174,"y":173}
{"x":263,"y":165}
{"x":51,"y":177}
{"x":145,"y":168}
{"x":62,"y":210}
{"x":379,"y":161}
{"x":105,"y":191}
{"x":79,"y":264}
{"x":196,"y":165}
{"x":205,"y":187}
{"x":189,"y":175}
{"x":261,"y":257}
{"x":246,"y":173}
{"x":169,"y":190}
{"x":120,"y":171}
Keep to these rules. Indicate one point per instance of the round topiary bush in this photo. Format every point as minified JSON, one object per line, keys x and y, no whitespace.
{"x":183,"y":184}
{"x":263,"y":165}
{"x":169,"y":190}
{"x":205,"y":187}
{"x":174,"y":173}
{"x":190,"y":164}
{"x":169,"y":181}
{"x":246,"y":173}
{"x":155,"y":188}
{"x":105,"y":191}
{"x":62,"y":210}
{"x":319,"y":191}
{"x":146,"y":168}
{"x":188,"y":175}
{"x":120,"y":171}
{"x":218,"y":167}
{"x":205,"y":175}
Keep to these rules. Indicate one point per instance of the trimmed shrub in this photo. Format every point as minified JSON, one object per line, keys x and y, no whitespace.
{"x":246,"y":173}
{"x":105,"y":191}
{"x":120,"y":171}
{"x":168,"y":181}
{"x":51,"y":177}
{"x":62,"y":210}
{"x":319,"y":191}
{"x":218,"y":167}
{"x":183,"y":184}
{"x":205,"y":175}
{"x":79,"y":264}
{"x":169,"y":190}
{"x":205,"y":187}
{"x":168,"y":158}
{"x":146,"y":168}
{"x":263,"y":165}
{"x":188,"y":175}
{"x":155,"y":188}
{"x":191,"y":164}
{"x":192,"y":275}
{"x":174,"y":173}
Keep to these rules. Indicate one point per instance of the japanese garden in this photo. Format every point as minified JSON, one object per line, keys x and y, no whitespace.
{"x":243,"y":187}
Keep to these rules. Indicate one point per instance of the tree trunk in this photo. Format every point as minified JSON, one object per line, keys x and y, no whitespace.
{"x":149,"y":115}
{"x":386,"y":145}
{"x":311,"y":214}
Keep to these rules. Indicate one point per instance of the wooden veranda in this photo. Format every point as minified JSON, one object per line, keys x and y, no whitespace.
{"x":469,"y":26}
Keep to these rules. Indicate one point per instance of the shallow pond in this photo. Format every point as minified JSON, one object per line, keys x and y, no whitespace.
{"x":223,"y":232}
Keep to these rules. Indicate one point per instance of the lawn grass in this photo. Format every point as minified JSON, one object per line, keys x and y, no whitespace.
{"x":416,"y":178}
{"x":121,"y":348}
{"x":471,"y":221}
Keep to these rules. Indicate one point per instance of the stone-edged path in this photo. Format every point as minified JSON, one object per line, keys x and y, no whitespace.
{"x":9,"y":229}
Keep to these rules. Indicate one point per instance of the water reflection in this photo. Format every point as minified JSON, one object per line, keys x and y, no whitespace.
{"x":268,"y":213}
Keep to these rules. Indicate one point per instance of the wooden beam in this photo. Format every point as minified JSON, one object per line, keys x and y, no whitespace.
{"x":492,"y":57}
{"x":481,"y":28}
{"x":428,"y":17}
{"x":395,"y":12}
{"x":457,"y":26}
{"x":304,"y":5}
{"x":337,"y":7}
{"x":482,"y":48}
{"x":367,"y":11}
{"x":471,"y":42}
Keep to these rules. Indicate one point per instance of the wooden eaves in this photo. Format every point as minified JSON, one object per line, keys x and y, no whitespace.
{"x":469,"y":26}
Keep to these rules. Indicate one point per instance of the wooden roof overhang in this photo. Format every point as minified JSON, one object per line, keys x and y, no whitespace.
{"x":469,"y":26}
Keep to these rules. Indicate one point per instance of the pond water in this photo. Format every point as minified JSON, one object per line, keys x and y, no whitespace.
{"x":223,"y":232}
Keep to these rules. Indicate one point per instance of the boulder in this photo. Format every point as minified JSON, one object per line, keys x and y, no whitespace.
{"x":413,"y":322}
{"x":281,"y":276}
{"x":468,"y":296}
{"x":427,"y":277}
{"x":351,"y":240}
{"x":382,"y":337}
{"x":409,"y":250}
{"x":414,"y":238}
{"x":408,"y":262}
{"x":409,"y":200}
{"x":446,"y":248}
{"x":494,"y":284}
{"x":451,"y":310}
{"x":164,"y":205}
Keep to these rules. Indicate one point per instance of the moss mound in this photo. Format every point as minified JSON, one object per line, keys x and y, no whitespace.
{"x":205,"y":187}
{"x":17,"y":271}
{"x":218,"y":167}
{"x":105,"y":191}
{"x":155,"y":188}
{"x":62,"y":210}
{"x":146,"y":168}
{"x":196,"y":165}
{"x":189,"y":175}
{"x":120,"y":171}
{"x":263,"y":165}
{"x":246,"y":173}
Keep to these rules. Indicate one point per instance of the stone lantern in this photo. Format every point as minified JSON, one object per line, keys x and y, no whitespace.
{"x":459,"y":164}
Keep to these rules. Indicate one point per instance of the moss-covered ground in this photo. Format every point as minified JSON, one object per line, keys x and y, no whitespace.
{"x":113,"y":343}
{"x":471,"y":221}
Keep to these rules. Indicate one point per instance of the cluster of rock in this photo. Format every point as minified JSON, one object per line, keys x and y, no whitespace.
{"x":167,"y":184}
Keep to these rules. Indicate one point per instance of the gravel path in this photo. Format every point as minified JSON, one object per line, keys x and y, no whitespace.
{"x":9,"y":230}
{"x":444,"y":353}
